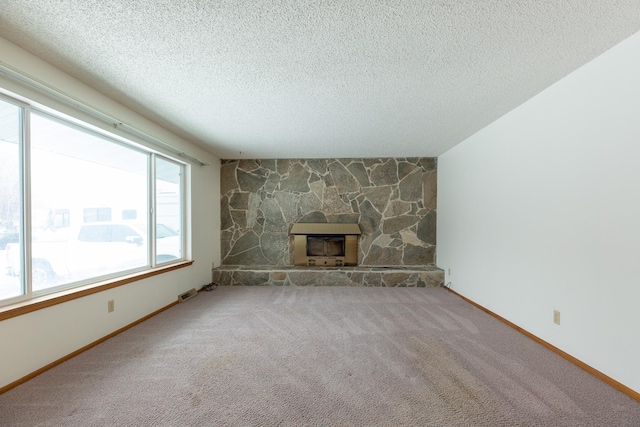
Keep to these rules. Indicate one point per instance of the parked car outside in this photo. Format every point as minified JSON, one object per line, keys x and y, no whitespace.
{"x":8,"y":237}
{"x":91,"y":250}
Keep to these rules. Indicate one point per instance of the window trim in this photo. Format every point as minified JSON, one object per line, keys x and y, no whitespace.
{"x":51,"y":299}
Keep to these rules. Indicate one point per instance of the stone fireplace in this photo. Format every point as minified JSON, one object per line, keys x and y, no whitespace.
{"x":279,"y":218}
{"x":326,"y":245}
{"x":392,"y":200}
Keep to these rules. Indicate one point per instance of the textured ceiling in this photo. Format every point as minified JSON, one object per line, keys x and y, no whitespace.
{"x":319,"y":78}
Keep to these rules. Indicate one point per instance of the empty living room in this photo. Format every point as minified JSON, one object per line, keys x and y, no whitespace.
{"x":297,"y":213}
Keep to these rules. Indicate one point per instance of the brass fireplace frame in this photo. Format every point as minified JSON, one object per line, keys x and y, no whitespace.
{"x":300,"y":232}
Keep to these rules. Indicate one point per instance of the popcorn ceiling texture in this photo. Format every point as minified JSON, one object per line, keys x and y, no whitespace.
{"x":392,"y":199}
{"x":319,"y":79}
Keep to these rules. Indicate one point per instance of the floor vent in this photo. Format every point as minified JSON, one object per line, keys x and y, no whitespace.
{"x":187,"y":295}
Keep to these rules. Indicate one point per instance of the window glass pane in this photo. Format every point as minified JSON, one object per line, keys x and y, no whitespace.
{"x":10,"y":285}
{"x":168,"y":210}
{"x":77,"y":180}
{"x":129,"y":214}
{"x":96,"y":214}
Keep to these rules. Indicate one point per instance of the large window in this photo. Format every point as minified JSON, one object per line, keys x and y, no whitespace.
{"x":78,"y":206}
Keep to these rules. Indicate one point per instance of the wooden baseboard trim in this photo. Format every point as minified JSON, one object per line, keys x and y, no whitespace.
{"x":613,"y":383}
{"x":83,"y":349}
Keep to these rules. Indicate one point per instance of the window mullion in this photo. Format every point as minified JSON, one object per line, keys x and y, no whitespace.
{"x":25,"y":190}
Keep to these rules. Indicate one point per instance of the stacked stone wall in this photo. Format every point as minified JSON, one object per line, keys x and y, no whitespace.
{"x":393,"y":200}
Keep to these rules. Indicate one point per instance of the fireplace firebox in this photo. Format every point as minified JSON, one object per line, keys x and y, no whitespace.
{"x":325,"y":244}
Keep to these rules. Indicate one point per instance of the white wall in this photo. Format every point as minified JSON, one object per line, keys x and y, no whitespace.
{"x":541,"y":211}
{"x":34,"y":340}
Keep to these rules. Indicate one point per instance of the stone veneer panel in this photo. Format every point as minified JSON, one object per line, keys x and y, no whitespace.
{"x":393,"y":200}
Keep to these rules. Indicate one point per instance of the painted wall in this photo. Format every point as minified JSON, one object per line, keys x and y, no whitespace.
{"x":540,"y":211}
{"x":392,"y":199}
{"x":34,"y":340}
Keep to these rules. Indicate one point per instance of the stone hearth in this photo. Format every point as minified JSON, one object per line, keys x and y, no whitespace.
{"x":329,"y":276}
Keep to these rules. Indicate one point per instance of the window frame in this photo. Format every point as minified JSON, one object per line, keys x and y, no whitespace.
{"x":97,"y":283}
{"x":182,"y":213}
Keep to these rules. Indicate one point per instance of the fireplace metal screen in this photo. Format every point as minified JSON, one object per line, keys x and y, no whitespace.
{"x":325,"y":245}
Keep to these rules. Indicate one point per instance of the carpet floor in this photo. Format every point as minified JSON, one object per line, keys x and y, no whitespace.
{"x":318,"y":356}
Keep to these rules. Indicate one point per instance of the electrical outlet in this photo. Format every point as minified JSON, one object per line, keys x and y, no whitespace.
{"x":556,"y":317}
{"x":449,"y":272}
{"x":111,"y":306}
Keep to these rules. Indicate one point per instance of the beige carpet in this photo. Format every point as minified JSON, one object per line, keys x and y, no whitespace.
{"x":318,"y":356}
